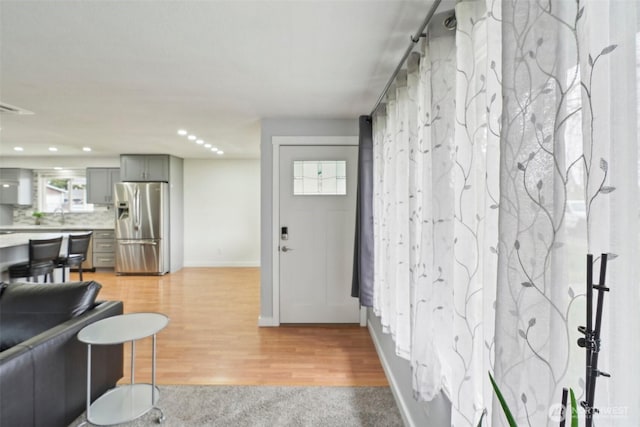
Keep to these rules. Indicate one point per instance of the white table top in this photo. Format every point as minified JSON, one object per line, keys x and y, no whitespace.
{"x":123,"y":328}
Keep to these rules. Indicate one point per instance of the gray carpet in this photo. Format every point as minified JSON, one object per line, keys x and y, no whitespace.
{"x":271,"y":406}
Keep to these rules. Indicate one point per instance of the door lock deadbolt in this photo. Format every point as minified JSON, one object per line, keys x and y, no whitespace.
{"x":284,"y":233}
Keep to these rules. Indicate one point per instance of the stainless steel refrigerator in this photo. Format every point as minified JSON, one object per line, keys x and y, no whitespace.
{"x":142,"y":227}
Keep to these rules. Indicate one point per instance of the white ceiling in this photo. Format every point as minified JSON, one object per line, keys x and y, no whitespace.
{"x":124,"y":76}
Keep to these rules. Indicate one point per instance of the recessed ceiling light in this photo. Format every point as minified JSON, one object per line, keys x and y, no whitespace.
{"x":6,"y":185}
{"x":192,"y":137}
{"x":199,"y":142}
{"x":214,"y":149}
{"x":53,"y":149}
{"x":58,"y":168}
{"x":87,"y":149}
{"x":220,"y":153}
{"x":207,"y":145}
{"x":182,"y":132}
{"x":18,"y":148}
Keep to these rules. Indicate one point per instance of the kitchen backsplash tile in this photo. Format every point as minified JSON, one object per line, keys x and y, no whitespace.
{"x":102,"y":217}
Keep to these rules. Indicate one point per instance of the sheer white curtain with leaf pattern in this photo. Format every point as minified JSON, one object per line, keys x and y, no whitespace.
{"x":506,"y":153}
{"x":569,"y":180}
{"x":440,"y":135}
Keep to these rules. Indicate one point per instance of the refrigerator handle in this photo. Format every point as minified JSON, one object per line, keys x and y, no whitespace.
{"x":138,"y":243}
{"x":136,"y":197}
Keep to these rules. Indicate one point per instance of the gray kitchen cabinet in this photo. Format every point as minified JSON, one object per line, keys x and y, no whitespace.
{"x":104,"y":248}
{"x":144,"y":167}
{"x":100,"y":185}
{"x":16,"y":186}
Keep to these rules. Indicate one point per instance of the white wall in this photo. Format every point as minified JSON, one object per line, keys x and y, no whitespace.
{"x":221,"y":213}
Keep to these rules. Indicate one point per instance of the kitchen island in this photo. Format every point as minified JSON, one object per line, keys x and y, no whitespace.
{"x":101,"y":252}
{"x":14,"y":248}
{"x":19,"y":228}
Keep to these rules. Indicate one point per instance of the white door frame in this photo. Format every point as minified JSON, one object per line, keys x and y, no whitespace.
{"x":277,"y":142}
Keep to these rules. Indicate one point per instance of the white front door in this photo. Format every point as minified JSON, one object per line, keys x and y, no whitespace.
{"x":317,"y":226}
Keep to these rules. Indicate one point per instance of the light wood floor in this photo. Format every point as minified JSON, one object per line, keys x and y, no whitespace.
{"x":213,"y":337}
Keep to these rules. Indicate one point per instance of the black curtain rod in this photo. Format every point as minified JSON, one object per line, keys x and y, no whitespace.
{"x":414,"y":40}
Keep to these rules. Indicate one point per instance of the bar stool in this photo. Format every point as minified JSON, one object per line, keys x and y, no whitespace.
{"x":77,"y":248}
{"x":42,"y":260}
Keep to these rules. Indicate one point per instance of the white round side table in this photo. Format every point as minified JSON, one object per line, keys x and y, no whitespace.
{"x":129,"y":401}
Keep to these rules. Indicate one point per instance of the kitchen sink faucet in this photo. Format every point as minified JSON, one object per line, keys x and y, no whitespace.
{"x":61,"y":214}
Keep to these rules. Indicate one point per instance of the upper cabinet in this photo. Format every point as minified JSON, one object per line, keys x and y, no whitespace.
{"x":16,"y":186}
{"x":100,"y":185}
{"x":144,"y":167}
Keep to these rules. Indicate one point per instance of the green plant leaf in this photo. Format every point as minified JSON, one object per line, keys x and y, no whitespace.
{"x":503,"y":403}
{"x":574,"y":409}
{"x":482,"y":418}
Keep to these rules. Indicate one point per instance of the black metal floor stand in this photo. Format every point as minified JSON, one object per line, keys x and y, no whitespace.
{"x":591,"y":340}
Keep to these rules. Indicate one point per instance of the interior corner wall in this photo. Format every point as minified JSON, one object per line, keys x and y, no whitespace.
{"x":176,"y":213}
{"x":269,"y":129}
{"x":222,"y":212}
{"x":6,"y":215}
{"x":398,"y":371}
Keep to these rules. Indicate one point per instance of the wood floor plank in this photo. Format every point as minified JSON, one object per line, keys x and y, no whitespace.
{"x":213,"y":336}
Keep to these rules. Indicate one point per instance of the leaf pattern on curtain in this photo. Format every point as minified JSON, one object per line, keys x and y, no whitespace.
{"x":400,"y":240}
{"x":380,"y":290}
{"x":557,"y":150}
{"x":518,"y":149}
{"x":540,"y":275}
{"x":432,"y":217}
{"x":391,"y":254}
{"x":446,"y":114}
{"x":609,"y":45}
{"x":476,"y":195}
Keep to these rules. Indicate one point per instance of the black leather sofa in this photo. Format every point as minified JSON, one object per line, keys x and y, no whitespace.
{"x":43,"y":366}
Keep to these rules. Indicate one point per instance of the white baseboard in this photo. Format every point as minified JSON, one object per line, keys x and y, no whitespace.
{"x":393,"y":383}
{"x":222,"y":264}
{"x":267,"y":322}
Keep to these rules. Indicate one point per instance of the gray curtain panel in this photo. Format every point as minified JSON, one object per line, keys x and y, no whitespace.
{"x":362,"y":284}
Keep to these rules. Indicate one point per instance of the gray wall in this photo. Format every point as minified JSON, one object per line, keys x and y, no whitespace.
{"x":435,"y":413}
{"x":284,"y":127}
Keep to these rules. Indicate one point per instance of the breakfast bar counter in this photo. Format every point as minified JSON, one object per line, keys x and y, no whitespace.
{"x":14,"y":247}
{"x":22,"y":239}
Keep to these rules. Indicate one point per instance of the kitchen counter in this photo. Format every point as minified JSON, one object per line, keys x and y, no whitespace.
{"x":18,"y":239}
{"x":14,"y":247}
{"x":46,"y":228}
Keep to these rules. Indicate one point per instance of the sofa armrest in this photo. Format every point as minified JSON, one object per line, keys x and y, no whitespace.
{"x":59,"y":364}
